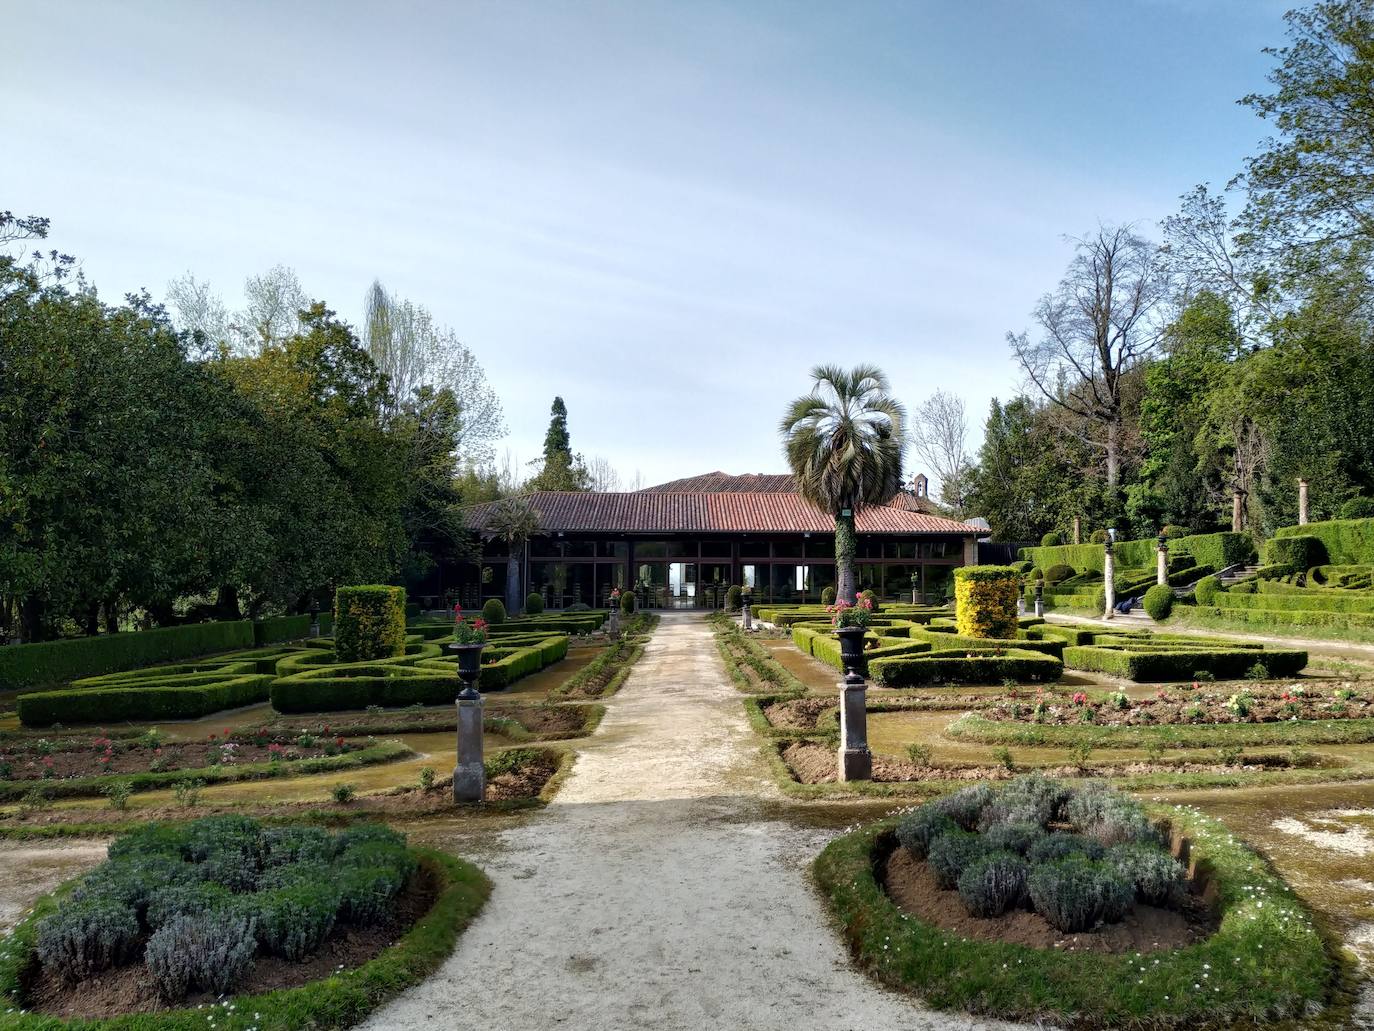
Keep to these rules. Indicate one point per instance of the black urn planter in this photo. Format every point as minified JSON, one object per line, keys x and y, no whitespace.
{"x":469,"y":665}
{"x":852,"y":648}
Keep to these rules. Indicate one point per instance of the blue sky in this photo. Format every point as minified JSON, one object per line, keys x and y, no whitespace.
{"x":665,"y":212}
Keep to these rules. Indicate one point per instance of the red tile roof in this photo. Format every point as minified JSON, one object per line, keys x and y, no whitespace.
{"x":765,"y":483}
{"x":655,"y":511}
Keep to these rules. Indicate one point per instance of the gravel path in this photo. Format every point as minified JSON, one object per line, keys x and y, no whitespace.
{"x":661,"y":888}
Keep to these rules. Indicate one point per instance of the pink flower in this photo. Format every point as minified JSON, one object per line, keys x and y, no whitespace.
{"x":1079,"y":698}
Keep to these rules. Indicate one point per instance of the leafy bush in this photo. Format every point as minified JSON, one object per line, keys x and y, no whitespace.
{"x":1206,"y":590}
{"x":1076,"y":894}
{"x":292,"y":922}
{"x":827,"y":595}
{"x":985,"y":601}
{"x":140,"y":704}
{"x":188,"y":900}
{"x":1159,"y":602}
{"x":1051,"y":540}
{"x":1057,"y":573}
{"x":494,"y":611}
{"x":963,"y":665}
{"x":1098,"y":537}
{"x":366,"y":893}
{"x":1156,"y":875}
{"x":627,"y":601}
{"x":369,"y":622}
{"x":871,"y":598}
{"x":207,"y":952}
{"x":85,"y":937}
{"x":1035,"y":574}
{"x":534,"y":603}
{"x":1016,"y":836}
{"x":1344,"y":541}
{"x":1357,"y":508}
{"x":1100,"y":812}
{"x":965,"y":806}
{"x":1172,"y":531}
{"x":283,"y":845}
{"x":1060,"y":844}
{"x":918,"y":829}
{"x":951,"y":853}
{"x":993,"y":883}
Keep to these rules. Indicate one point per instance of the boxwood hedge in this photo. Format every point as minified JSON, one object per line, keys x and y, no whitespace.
{"x":965,"y":666}
{"x":142,"y":703}
{"x":1164,"y":662}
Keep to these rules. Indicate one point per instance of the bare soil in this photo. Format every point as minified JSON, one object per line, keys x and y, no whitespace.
{"x":813,"y":763}
{"x":1190,"y":705}
{"x":73,"y":758}
{"x":912,"y":887}
{"x":544,"y":721}
{"x":130,"y":989}
{"x":798,"y":713}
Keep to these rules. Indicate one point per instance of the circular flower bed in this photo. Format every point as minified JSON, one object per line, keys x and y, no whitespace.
{"x":187,"y":912}
{"x":1080,"y":860}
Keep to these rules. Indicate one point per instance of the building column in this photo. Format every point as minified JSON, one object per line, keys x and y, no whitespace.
{"x":1302,"y":501}
{"x":970,"y":551}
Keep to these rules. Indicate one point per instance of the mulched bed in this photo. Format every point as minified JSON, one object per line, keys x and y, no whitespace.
{"x":67,"y":758}
{"x":129,"y":989}
{"x":813,"y":763}
{"x":1184,"y":705}
{"x":538,"y":720}
{"x":912,"y":887}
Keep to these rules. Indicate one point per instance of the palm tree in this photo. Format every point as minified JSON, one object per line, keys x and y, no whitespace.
{"x":515,"y":521}
{"x":845,"y":442}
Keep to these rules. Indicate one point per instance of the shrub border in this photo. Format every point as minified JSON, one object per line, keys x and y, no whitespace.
{"x":338,"y":1001}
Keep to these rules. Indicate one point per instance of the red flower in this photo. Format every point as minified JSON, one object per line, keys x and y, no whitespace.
{"x":339,"y":741}
{"x":1079,"y":698}
{"x":479,"y":623}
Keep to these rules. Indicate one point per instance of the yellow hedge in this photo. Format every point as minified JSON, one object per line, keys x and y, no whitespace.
{"x":985,"y":599}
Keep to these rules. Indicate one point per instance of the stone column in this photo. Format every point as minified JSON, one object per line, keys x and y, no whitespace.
{"x":1302,"y":501}
{"x":1237,"y":511}
{"x":1109,"y":579}
{"x":970,"y":551}
{"x":747,"y":617}
{"x":1077,"y":530}
{"x":855,"y":760}
{"x":1162,"y":562}
{"x":470,"y":776}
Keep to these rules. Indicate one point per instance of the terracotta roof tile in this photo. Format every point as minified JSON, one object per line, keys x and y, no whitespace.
{"x":764,"y":483}
{"x":656,"y":511}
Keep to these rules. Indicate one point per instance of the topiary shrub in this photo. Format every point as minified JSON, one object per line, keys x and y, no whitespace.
{"x":1300,"y":551}
{"x":1156,"y":875}
{"x":827,"y":595}
{"x":534,"y":603}
{"x":83,"y":938}
{"x":1172,"y":531}
{"x":916,"y":831}
{"x":1357,"y":508}
{"x":871,"y":598}
{"x":1098,"y":537}
{"x":1051,"y":540}
{"x":627,"y":602}
{"x":1159,"y":602}
{"x":951,"y":853}
{"x":1207,"y":590}
{"x":992,"y":884}
{"x":1058,"y":573}
{"x":1060,"y":844}
{"x":369,"y":623}
{"x":494,"y":611}
{"x":206,"y":952}
{"x":1035,"y":574}
{"x":985,"y":601}
{"x":1076,"y":893}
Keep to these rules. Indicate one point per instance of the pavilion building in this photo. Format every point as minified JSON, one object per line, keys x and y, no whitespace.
{"x":681,"y":544}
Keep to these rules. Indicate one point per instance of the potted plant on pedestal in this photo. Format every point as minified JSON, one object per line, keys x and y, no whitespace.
{"x":469,"y":638}
{"x":851,"y":624}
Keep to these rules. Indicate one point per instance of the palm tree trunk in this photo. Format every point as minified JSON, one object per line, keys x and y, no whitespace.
{"x":844,"y":558}
{"x":513,"y":582}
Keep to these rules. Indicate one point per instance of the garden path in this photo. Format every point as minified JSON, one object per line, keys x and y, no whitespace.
{"x":662,"y":888}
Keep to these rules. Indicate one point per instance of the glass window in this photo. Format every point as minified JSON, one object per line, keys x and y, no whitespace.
{"x":819,"y":578}
{"x":651,"y":549}
{"x":613,"y":549}
{"x":580,"y":549}
{"x":546,"y":547}
{"x":682,"y":549}
{"x":900,"y":549}
{"x":940,"y":549}
{"x":749,"y":575}
{"x":820,"y":547}
{"x":869,"y":547}
{"x":787,"y":549}
{"x":753,"y":548}
{"x":715,"y":549}
{"x":784,"y":582}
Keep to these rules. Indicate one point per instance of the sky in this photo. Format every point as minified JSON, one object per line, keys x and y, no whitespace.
{"x":666,"y":213}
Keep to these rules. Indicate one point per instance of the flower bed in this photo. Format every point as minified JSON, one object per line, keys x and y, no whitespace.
{"x":1264,"y":962}
{"x":517,"y":722}
{"x":179,"y":914}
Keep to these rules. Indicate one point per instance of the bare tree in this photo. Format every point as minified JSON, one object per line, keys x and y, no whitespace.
{"x":602,"y":475}
{"x":198,"y":309}
{"x":1101,"y":322}
{"x":414,"y":351}
{"x":939,"y":438}
{"x":636,"y":481}
{"x":271,"y":312}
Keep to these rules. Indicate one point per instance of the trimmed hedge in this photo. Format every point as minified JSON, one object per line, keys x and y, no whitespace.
{"x":281,"y":628}
{"x":1217,"y":550}
{"x":985,"y":601}
{"x":142,"y":704}
{"x":57,"y":662}
{"x":1326,"y":599}
{"x":1159,"y":602}
{"x":1346,"y":541}
{"x":1301,"y":551}
{"x":369,"y":622}
{"x":1168,"y":664}
{"x":1286,"y":618}
{"x":965,"y":666}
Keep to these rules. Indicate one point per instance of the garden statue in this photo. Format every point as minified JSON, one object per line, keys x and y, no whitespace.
{"x":469,"y":775}
{"x":746,"y":617}
{"x":615,"y":614}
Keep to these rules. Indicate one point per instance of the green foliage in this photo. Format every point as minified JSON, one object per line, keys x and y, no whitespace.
{"x":293,"y":921}
{"x":534,"y":604}
{"x":953,"y":852}
{"x":627,"y":600}
{"x":141,"y":704}
{"x":207,"y":952}
{"x":1058,"y":573}
{"x":827,"y":595}
{"x":369,"y":622}
{"x":1159,"y":602}
{"x":993,"y":883}
{"x":1357,"y":508}
{"x":1060,"y":844}
{"x":1179,"y":662}
{"x":494,"y":611}
{"x":343,"y":793}
{"x":1343,"y":541}
{"x":1076,"y":894}
{"x":1156,"y":876}
{"x":52,"y":662}
{"x":1051,"y":540}
{"x":1206,"y":590}
{"x":1098,"y":537}
{"x":917,"y":830}
{"x":1016,"y":836}
{"x":966,"y":666}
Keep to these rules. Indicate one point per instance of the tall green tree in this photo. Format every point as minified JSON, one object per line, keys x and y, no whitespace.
{"x":559,"y":468}
{"x":513,"y":521}
{"x":845,"y":442}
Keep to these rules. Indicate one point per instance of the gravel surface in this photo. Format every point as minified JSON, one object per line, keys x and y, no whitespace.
{"x":661,"y":888}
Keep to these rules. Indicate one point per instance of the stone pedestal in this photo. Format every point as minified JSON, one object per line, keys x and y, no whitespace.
{"x":855,"y":761}
{"x":1162,"y":566}
{"x":615,"y":621}
{"x":1040,"y":597}
{"x":470,"y":776}
{"x":747,"y":617}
